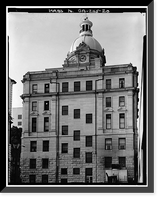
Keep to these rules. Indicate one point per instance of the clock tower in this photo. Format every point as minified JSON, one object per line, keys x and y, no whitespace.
{"x":86,"y":51}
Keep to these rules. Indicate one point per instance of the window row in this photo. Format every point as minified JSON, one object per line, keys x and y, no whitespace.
{"x":45,"y":163}
{"x":76,"y":112}
{"x":121,"y":101}
{"x":44,"y":178}
{"x":121,"y":162}
{"x":77,"y":86}
{"x":121,"y":143}
{"x":34,"y":124}
{"x":34,"y":105}
{"x":45,"y":143}
{"x":46,"y":88}
{"x":76,"y":154}
{"x":45,"y":146}
{"x":76,"y":137}
{"x":121,"y":121}
{"x":88,"y":121}
{"x":76,"y":171}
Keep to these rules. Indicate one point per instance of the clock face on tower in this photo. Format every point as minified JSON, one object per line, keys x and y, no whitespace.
{"x":82,"y":58}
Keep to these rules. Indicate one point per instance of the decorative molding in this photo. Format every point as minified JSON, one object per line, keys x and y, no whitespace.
{"x":46,"y":112}
{"x":110,"y":109}
{"x":122,"y":109}
{"x":35,"y":113}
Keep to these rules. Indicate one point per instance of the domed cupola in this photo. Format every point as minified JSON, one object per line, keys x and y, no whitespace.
{"x":86,"y":36}
{"x":85,"y":49}
{"x":86,"y":27}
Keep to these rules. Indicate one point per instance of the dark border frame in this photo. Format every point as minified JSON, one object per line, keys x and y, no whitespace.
{"x":149,"y":72}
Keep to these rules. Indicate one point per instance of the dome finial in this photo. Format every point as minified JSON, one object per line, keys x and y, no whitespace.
{"x":85,"y":17}
{"x":85,"y":26}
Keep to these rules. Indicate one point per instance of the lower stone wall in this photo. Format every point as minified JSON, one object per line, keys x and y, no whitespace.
{"x":70,"y":164}
{"x":26,"y":171}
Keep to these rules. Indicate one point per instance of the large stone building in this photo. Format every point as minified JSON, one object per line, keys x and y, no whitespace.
{"x":80,"y":121}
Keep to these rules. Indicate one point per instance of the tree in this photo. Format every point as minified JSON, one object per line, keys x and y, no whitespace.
{"x":15,"y":154}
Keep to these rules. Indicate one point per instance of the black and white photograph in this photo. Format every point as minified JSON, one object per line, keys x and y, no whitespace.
{"x":77,"y":100}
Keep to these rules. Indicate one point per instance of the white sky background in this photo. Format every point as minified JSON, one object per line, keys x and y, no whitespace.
{"x":42,"y":40}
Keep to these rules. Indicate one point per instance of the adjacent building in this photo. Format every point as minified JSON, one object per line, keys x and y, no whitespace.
{"x":80,"y":120}
{"x":17,"y":116}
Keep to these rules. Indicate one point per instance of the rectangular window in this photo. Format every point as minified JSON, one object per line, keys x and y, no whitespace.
{"x":65,"y":130}
{"x":108,"y":162}
{"x":88,"y":157}
{"x":64,"y":148}
{"x":34,"y":124}
{"x":122,"y":120}
{"x":88,"y":141}
{"x":46,"y":145}
{"x":122,"y":162}
{"x":32,"y":178}
{"x":19,"y":116}
{"x":46,"y":124}
{"x":76,"y":135}
{"x":34,"y":88}
{"x":88,"y":118}
{"x":46,"y":88}
{"x":122,"y":143}
{"x":65,"y":87}
{"x":19,"y":123}
{"x":33,"y":163}
{"x":44,"y":178}
{"x":34,"y":106}
{"x":76,"y":113}
{"x":76,"y":86}
{"x":76,"y":171}
{"x":88,"y":171}
{"x":108,"y":83}
{"x":108,"y":143}
{"x":63,"y":171}
{"x":108,"y":121}
{"x":121,"y":101}
{"x":46,"y":105}
{"x":76,"y":153}
{"x":64,"y":110}
{"x":88,"y":85}
{"x":33,"y":146}
{"x":45,"y":163}
{"x":121,"y":82}
{"x":108,"y":101}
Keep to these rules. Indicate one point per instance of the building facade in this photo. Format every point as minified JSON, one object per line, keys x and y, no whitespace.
{"x":80,"y":121}
{"x":17,"y":117}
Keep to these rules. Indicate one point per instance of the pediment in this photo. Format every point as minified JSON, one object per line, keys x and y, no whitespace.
{"x":82,"y":47}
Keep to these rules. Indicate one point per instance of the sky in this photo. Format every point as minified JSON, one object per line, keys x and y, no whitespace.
{"x":42,"y":40}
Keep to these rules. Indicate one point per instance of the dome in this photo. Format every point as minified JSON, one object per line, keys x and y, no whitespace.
{"x":88,"y":40}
